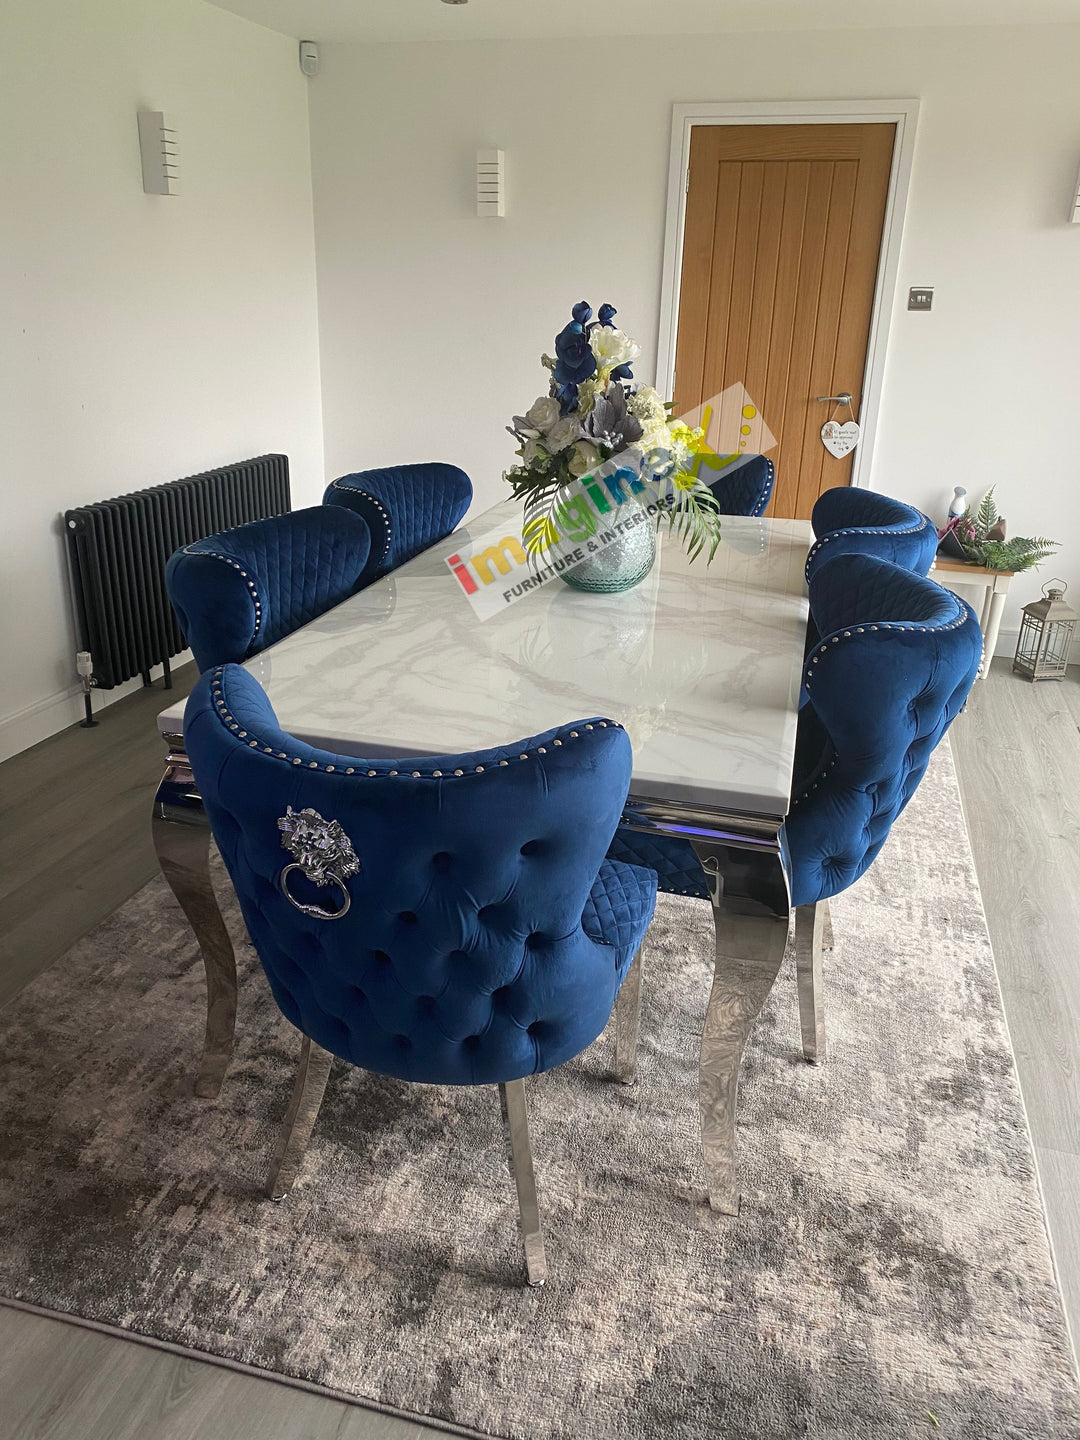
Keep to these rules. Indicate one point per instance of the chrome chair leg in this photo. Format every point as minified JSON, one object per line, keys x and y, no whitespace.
{"x":311,"y":1077}
{"x":181,"y":834}
{"x":749,"y":893}
{"x":519,"y":1154}
{"x":627,"y":1023}
{"x":810,"y":922}
{"x":826,"y":929}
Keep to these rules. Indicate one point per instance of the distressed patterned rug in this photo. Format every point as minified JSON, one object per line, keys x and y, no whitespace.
{"x":889,"y":1275}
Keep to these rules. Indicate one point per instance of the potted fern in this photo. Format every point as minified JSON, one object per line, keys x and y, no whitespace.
{"x":980,"y":540}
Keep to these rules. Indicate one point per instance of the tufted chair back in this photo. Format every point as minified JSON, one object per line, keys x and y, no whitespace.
{"x":896,"y":659}
{"x":409,"y":507}
{"x":239,"y":591}
{"x":851,"y":521}
{"x":743,"y":489}
{"x":473,"y":945}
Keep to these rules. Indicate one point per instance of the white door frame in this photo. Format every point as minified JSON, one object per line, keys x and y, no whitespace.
{"x":901,"y":113}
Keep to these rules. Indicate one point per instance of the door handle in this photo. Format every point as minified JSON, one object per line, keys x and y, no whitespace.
{"x":844,"y":398}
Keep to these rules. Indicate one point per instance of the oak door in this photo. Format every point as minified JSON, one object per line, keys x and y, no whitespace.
{"x":780,"y":257}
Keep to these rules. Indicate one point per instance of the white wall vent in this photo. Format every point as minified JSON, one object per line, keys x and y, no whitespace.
{"x":160,"y":156}
{"x":490,"y":182}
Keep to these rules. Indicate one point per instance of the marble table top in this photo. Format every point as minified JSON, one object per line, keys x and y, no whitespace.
{"x":701,"y":665}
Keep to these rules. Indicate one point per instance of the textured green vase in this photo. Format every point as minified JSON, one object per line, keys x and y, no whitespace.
{"x":620,"y":565}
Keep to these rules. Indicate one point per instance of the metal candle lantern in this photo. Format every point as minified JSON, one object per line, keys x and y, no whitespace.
{"x":1042,"y":648}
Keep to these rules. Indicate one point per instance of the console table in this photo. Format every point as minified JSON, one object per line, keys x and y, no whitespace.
{"x":958,"y":575}
{"x":701,"y":665}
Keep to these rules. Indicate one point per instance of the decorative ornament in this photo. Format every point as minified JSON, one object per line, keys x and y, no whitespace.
{"x":840,"y":440}
{"x":323,"y":854}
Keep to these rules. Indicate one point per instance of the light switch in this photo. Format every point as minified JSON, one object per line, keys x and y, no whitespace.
{"x":921,"y":298}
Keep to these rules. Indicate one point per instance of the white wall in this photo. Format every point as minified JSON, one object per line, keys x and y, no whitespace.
{"x":144,"y":337}
{"x":432,"y":321}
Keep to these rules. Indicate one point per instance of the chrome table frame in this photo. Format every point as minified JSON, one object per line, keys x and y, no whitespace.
{"x":744,"y":857}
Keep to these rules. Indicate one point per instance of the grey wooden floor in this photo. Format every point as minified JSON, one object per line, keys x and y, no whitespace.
{"x":74,"y":816}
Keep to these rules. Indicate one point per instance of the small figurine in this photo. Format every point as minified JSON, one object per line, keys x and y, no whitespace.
{"x":959,"y":503}
{"x":997,"y":530}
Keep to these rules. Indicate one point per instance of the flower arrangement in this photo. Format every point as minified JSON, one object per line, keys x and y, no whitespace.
{"x":592,"y":415}
{"x":981,"y":540}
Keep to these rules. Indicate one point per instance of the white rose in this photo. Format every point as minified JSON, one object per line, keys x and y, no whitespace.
{"x":530,"y":451}
{"x":563,"y":433}
{"x":543,"y":413}
{"x":585,"y":458}
{"x":611,"y":347}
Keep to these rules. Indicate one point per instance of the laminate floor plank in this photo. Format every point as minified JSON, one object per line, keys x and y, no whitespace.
{"x":1018,"y":758}
{"x":1059,"y":1173}
{"x":100,"y":1388}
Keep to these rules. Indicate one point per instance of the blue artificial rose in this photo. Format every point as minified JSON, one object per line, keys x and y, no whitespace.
{"x":574,"y":359}
{"x":582,"y":311}
{"x":622,"y":372}
{"x":606,"y":314}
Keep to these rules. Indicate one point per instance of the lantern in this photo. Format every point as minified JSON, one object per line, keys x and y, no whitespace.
{"x":1042,"y":647}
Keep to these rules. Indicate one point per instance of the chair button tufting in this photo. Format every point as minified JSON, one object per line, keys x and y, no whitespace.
{"x":471,"y":1042}
{"x":530,"y":847}
{"x":402,"y":1042}
{"x":382,"y":957}
{"x":442,"y":861}
{"x":407,"y":917}
{"x":536,"y":1028}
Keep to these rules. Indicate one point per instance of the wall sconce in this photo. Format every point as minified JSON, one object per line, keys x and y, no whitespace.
{"x":490,"y":183}
{"x":160,"y":156}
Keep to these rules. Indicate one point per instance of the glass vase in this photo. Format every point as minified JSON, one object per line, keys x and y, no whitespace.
{"x":620,"y":564}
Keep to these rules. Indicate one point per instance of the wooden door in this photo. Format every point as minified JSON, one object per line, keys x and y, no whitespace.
{"x":780,"y":257}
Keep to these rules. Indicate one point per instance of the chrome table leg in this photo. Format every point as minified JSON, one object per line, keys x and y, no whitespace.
{"x":519,"y":1154}
{"x":749,"y":892}
{"x":311,"y":1076}
{"x":182,"y":841}
{"x":810,"y":921}
{"x":627,"y":1023}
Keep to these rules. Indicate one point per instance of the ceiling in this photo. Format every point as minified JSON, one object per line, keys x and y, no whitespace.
{"x":382,"y":20}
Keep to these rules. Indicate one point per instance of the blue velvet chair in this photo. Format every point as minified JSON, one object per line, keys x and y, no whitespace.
{"x":744,"y":488}
{"x":410,"y":506}
{"x":239,"y":591}
{"x":893,"y":667}
{"x":450,"y":920}
{"x":850,"y":521}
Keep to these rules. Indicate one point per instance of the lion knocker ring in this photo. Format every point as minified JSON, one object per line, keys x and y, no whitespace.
{"x":323,"y":853}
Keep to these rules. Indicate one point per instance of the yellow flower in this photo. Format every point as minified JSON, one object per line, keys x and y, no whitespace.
{"x":683,"y":480}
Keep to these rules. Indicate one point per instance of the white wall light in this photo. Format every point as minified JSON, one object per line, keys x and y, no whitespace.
{"x":160,"y":157}
{"x":490,"y":182}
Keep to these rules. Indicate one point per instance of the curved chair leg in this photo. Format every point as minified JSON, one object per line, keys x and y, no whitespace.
{"x":627,"y":1023}
{"x":519,"y":1154}
{"x":810,"y":922}
{"x":311,"y":1077}
{"x":181,"y":836}
{"x":749,"y":893}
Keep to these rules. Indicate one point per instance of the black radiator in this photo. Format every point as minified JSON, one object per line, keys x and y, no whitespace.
{"x":118,"y":550}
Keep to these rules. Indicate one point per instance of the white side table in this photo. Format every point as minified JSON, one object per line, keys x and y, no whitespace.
{"x":958,"y":576}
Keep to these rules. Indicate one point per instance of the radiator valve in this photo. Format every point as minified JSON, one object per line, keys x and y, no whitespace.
{"x":84,"y":664}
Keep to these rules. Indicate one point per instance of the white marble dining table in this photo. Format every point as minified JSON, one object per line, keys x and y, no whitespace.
{"x":700,"y":663}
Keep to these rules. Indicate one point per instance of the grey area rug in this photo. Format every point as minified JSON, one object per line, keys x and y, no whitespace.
{"x":889,"y":1275}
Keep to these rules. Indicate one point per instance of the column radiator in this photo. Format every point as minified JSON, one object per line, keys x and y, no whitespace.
{"x":118,"y":550}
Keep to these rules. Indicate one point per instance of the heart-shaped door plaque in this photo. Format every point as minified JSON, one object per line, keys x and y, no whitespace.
{"x":840,"y":440}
